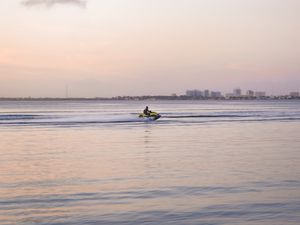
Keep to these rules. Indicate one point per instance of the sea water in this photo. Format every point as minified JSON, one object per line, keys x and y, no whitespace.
{"x":202,"y":162}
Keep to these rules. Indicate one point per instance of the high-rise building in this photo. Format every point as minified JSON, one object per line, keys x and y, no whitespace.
{"x":216,"y":94}
{"x":250,"y":93}
{"x":194,"y":93}
{"x":237,"y":92}
{"x":294,"y":94}
{"x":206,"y":93}
{"x":260,"y":94}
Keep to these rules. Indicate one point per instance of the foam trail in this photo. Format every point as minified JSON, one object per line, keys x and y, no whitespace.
{"x":17,"y":117}
{"x":91,"y":119}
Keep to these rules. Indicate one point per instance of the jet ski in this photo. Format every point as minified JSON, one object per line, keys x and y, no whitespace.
{"x":153,"y":116}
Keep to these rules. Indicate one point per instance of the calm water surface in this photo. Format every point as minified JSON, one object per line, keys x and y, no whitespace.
{"x":203,"y":162}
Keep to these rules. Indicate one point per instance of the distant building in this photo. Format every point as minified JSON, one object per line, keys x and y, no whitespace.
{"x":260,"y":94}
{"x":229,"y":95}
{"x":216,"y":94}
{"x":294,"y":94}
{"x":250,"y":93}
{"x":237,"y":92}
{"x":206,"y":93}
{"x":189,"y":93}
{"x":194,"y":93}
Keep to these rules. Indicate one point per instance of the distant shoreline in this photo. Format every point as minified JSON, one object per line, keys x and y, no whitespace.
{"x":151,"y":98}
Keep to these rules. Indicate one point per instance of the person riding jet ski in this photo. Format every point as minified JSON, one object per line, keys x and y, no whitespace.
{"x":149,"y":115}
{"x":147,"y":111}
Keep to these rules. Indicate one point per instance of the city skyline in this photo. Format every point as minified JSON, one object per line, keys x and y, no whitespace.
{"x":236,"y":93}
{"x":111,"y":48}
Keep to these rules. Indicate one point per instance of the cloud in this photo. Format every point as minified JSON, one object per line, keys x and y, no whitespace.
{"x":50,"y":3}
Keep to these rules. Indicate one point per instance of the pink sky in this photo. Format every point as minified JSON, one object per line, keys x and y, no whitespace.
{"x":137,"y":47}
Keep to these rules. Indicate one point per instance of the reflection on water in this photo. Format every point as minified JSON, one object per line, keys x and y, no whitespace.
{"x":180,"y":172}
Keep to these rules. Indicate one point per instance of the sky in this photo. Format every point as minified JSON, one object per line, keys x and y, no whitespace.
{"x":108,"y":48}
